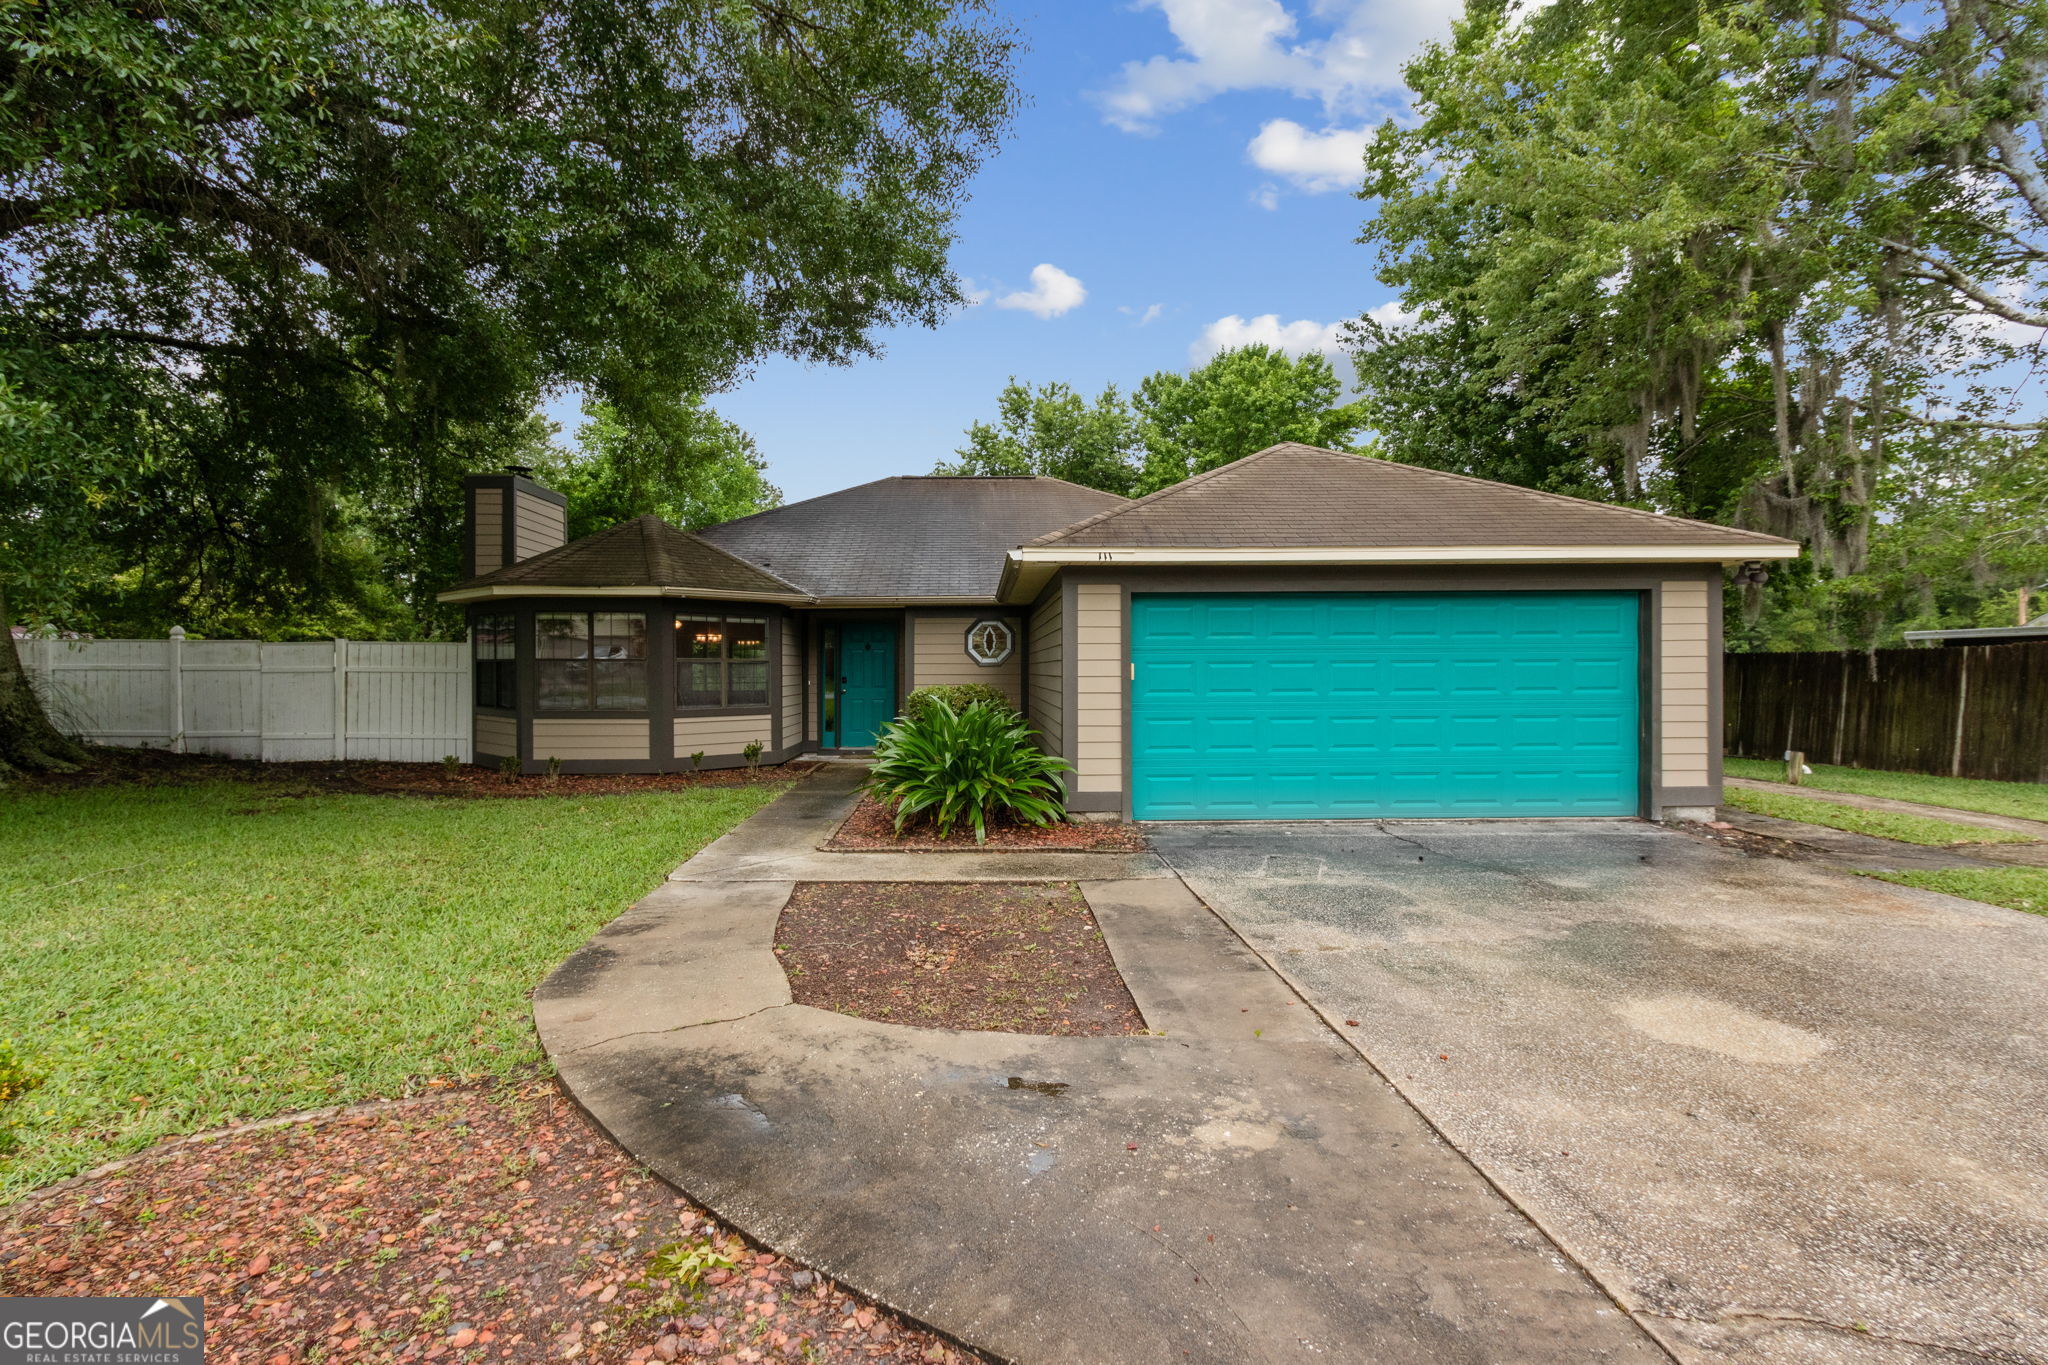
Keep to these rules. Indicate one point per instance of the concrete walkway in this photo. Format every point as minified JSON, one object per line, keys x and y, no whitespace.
{"x":1243,"y":1188}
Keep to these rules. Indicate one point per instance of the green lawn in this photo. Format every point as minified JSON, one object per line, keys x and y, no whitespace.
{"x":174,"y":958}
{"x":2015,"y":888}
{"x":2027,"y":800}
{"x":1910,"y":829}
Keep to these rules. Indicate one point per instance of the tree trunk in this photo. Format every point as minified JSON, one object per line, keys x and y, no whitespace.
{"x":28,"y":742}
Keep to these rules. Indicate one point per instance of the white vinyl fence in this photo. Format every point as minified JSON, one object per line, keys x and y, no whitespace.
{"x":331,"y":699}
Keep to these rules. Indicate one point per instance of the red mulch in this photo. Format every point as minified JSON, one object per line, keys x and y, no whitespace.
{"x":871,"y":828}
{"x":147,"y":767}
{"x":476,"y":1225}
{"x":1013,"y":957}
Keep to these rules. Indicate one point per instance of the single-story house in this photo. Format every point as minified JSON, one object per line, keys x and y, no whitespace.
{"x":1302,"y":634}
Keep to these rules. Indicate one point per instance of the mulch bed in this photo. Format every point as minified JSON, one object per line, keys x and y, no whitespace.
{"x":144,"y":767}
{"x":870,"y":829}
{"x":476,"y":1225}
{"x":1014,"y":957}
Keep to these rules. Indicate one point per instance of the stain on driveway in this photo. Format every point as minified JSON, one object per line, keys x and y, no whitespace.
{"x":1781,"y":1113}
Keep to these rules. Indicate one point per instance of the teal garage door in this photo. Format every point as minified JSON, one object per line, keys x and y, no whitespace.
{"x":1384,"y":705}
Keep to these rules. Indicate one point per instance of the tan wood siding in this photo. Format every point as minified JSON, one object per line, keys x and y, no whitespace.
{"x":1098,"y":687}
{"x":490,"y":529}
{"x":722,"y":736}
{"x":496,"y":735}
{"x":583,"y":737}
{"x":1684,"y":685}
{"x":792,"y":685}
{"x":538,"y":525}
{"x":1047,"y":702}
{"x":938,"y":656}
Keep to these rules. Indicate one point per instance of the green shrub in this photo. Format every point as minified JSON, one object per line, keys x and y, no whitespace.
{"x":15,"y":1082}
{"x":972,"y":765}
{"x":918,"y":705}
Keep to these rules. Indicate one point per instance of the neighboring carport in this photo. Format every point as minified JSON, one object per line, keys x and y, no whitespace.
{"x":1781,"y":1113}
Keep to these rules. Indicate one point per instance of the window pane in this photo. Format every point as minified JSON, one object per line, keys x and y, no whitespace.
{"x":700,"y":637}
{"x":619,"y":635}
{"x":561,"y":685}
{"x":561,"y":635}
{"x":699,"y":684}
{"x":506,"y":672}
{"x":749,"y":684}
{"x":493,"y":637}
{"x":621,"y":684}
{"x":749,"y":638}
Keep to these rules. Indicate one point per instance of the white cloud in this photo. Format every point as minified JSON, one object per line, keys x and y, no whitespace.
{"x":1227,"y":45}
{"x":1145,"y":316}
{"x":1392,"y":314}
{"x":1295,"y":338}
{"x":1267,"y":196}
{"x":1333,"y":159}
{"x":972,"y":292}
{"x":1053,"y":292}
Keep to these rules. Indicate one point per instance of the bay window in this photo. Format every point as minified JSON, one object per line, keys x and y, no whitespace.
{"x":493,"y":659}
{"x":721,"y":661}
{"x":590,"y":660}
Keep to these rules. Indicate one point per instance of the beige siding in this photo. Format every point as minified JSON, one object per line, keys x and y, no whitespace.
{"x":490,"y":528}
{"x":1684,"y":680}
{"x":496,"y":735}
{"x":813,"y":668}
{"x":1098,"y":687}
{"x":538,"y":525}
{"x":792,"y":684}
{"x":938,"y":657}
{"x":1047,"y":703}
{"x":582,"y":737}
{"x":722,"y":736}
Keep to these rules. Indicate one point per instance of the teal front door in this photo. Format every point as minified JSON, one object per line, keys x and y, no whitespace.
{"x":1248,"y":706}
{"x":867,"y":685}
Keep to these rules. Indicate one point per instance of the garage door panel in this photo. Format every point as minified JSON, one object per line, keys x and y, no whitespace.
{"x":1345,"y":705}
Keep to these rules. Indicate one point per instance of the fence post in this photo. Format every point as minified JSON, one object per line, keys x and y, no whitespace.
{"x":174,"y":653}
{"x":340,"y":700}
{"x":1955,"y":767}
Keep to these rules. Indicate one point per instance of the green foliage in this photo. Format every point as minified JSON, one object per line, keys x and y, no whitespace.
{"x":508,"y":766}
{"x":1734,"y":262}
{"x":187,"y":956}
{"x":680,"y":1268}
{"x":1053,"y":431}
{"x":684,"y":463}
{"x":554,"y":768}
{"x":696,"y":760}
{"x":974,"y":765}
{"x":450,"y":764}
{"x":1175,"y":425}
{"x":15,"y":1082}
{"x":917,"y":707}
{"x":277,"y":275}
{"x":752,"y":753}
{"x":1236,"y":405}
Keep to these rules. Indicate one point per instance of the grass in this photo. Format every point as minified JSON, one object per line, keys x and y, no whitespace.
{"x":1883,"y":824}
{"x":2015,"y":888}
{"x":178,"y":958}
{"x":2026,"y":800}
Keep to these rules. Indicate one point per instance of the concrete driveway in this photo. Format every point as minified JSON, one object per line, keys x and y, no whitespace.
{"x":1781,"y":1113}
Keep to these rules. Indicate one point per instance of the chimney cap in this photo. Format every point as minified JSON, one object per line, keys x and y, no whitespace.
{"x":522,"y":471}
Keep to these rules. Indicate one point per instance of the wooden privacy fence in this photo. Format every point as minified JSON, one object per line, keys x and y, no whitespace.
{"x":1961,"y":711}
{"x":330,"y":699}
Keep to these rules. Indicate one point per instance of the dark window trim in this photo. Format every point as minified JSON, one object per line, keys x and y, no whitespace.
{"x":535,"y":663}
{"x":768,"y":660}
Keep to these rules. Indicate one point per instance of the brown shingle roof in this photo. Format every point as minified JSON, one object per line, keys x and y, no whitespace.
{"x":1299,"y":496}
{"x":914,"y":536}
{"x":645,"y":552}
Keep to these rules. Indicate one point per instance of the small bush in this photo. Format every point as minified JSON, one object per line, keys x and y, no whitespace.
{"x":450,"y":764}
{"x":917,"y":706}
{"x":554,"y":768}
{"x":972,"y":765}
{"x":15,"y":1082}
{"x":508,"y":766}
{"x":752,"y":753}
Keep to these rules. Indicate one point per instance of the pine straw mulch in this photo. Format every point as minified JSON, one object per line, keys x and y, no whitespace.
{"x":477,"y":1225}
{"x":872,"y":829}
{"x":160,"y":767}
{"x":1014,"y":957}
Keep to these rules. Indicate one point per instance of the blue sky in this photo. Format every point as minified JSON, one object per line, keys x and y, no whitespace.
{"x":1190,"y":163}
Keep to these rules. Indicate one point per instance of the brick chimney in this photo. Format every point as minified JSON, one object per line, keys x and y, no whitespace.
{"x":508,"y":518}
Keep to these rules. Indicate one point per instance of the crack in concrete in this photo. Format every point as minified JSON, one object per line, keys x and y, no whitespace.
{"x":675,"y":1028}
{"x":1244,"y":1327}
{"x":1860,"y":1333}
